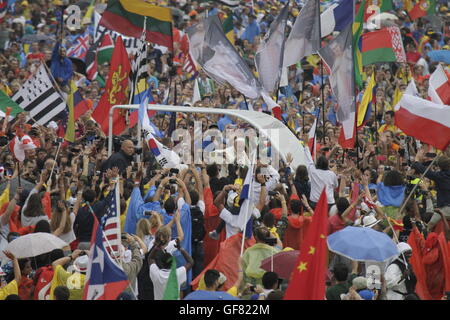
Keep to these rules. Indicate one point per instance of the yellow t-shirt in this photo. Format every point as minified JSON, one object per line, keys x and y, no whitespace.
{"x":10,"y":288}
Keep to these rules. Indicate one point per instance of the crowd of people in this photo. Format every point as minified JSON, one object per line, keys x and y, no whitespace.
{"x":187,"y":213}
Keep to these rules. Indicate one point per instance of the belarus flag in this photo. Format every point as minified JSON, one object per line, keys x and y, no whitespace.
{"x":439,"y":87}
{"x":424,"y":120}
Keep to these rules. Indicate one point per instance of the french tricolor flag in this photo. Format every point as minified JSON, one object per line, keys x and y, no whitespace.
{"x":424,"y":120}
{"x":439,"y":87}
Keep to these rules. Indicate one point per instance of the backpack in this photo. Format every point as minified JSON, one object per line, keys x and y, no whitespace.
{"x":198,"y":225}
{"x":410,"y":281}
{"x":43,"y":283}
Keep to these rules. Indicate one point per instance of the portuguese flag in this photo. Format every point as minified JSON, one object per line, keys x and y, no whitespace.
{"x":384,"y":45}
{"x":422,"y":8}
{"x":127,"y":17}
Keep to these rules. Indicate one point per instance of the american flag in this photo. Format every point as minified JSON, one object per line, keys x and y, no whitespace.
{"x":79,"y":47}
{"x":110,"y":222}
{"x":189,"y":65}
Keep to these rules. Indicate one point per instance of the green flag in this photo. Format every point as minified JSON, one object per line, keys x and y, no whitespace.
{"x":356,"y":44}
{"x":6,"y":101}
{"x":172,"y":292}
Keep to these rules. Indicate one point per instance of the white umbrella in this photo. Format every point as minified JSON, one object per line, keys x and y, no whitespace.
{"x":34,"y":244}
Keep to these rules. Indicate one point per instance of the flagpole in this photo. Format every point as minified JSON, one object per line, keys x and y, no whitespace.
{"x":321,"y":76}
{"x":18,"y":174}
{"x":354,"y":90}
{"x":54,"y":163}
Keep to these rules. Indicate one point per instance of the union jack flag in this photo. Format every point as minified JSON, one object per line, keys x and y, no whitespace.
{"x":79,"y":47}
{"x":110,"y":222}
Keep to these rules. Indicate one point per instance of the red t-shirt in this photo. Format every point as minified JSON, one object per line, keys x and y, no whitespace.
{"x":335,"y":224}
{"x":34,"y":56}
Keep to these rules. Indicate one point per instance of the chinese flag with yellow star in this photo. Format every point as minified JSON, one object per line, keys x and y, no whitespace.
{"x":116,"y":91}
{"x":308,"y":277}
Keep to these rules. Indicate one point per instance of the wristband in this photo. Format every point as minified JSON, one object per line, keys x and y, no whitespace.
{"x":263,"y":184}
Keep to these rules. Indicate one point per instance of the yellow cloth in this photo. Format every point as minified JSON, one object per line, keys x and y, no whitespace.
{"x":386,"y":127}
{"x":73,"y":281}
{"x":4,"y":198}
{"x":10,"y":288}
{"x":123,"y":217}
{"x":366,"y":99}
{"x":233,"y":291}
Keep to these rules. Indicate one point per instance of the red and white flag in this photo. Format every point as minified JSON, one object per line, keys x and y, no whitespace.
{"x":439,"y":87}
{"x":424,"y":120}
{"x":20,"y":144}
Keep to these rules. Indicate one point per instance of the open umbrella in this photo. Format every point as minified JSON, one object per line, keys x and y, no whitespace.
{"x":362,"y":244}
{"x":34,"y":244}
{"x":283,"y":263}
{"x":30,"y":38}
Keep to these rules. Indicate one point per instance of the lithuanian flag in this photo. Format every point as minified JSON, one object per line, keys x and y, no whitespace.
{"x":128,"y":16}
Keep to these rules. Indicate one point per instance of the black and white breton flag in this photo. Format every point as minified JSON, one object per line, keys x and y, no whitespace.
{"x":139,"y":64}
{"x":39,"y":97}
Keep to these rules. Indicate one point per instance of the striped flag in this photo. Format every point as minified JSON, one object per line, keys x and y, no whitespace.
{"x":439,"y":87}
{"x":189,"y":65}
{"x":110,"y":222}
{"x":138,"y":65}
{"x":247,"y":203}
{"x":38,"y":97}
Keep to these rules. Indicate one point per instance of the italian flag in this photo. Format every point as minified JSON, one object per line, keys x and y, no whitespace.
{"x":105,"y":50}
{"x":127,"y":17}
{"x":384,"y":45}
{"x":422,"y":8}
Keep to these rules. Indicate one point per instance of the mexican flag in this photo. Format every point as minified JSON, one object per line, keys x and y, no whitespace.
{"x":422,"y":8}
{"x":384,"y":45}
{"x":6,"y":101}
{"x":127,"y":17}
{"x":105,"y":50}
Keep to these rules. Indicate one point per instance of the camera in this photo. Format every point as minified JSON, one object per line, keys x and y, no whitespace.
{"x":174,"y":171}
{"x":147,"y":213}
{"x":272,"y":193}
{"x":172,"y":181}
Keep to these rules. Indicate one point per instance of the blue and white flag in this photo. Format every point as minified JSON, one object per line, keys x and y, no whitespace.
{"x":247,"y":202}
{"x":336,"y":17}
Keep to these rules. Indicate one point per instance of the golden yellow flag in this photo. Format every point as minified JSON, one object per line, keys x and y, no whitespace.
{"x":4,"y":198}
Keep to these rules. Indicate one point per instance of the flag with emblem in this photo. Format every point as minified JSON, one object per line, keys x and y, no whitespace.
{"x":116,"y":91}
{"x":308,"y":278}
{"x":38,"y":97}
{"x":79,"y":47}
{"x":110,"y":222}
{"x":383,"y":45}
{"x":105,"y":279}
{"x":422,"y":8}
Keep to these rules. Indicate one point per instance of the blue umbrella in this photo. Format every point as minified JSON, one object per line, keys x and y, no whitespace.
{"x":362,"y":244}
{"x":440,"y":55}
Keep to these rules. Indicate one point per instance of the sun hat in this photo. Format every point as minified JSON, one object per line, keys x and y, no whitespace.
{"x":369,"y":221}
{"x":403,"y":247}
{"x":81,"y":263}
{"x":360,"y":283}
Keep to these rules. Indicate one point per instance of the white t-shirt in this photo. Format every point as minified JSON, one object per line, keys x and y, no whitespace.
{"x":232,"y":226}
{"x":160,"y":276}
{"x":170,"y":248}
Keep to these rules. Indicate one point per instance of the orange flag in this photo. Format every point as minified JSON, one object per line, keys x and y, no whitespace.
{"x":116,"y":91}
{"x":308,"y":278}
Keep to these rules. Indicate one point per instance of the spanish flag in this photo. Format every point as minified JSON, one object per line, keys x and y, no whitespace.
{"x":128,"y":16}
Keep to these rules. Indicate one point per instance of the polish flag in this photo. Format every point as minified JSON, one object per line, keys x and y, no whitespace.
{"x":439,"y":87}
{"x":424,"y":120}
{"x":344,"y":141}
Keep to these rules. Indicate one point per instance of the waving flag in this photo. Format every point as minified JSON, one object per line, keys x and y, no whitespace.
{"x":368,"y":100}
{"x":422,"y":8}
{"x":337,"y":55}
{"x":105,"y":49}
{"x":269,"y":56}
{"x":79,"y":47}
{"x":20,"y":144}
{"x":247,"y":201}
{"x":357,"y":30}
{"x":336,"y":17}
{"x":304,"y":38}
{"x":308,"y":278}
{"x":424,"y":120}
{"x":312,"y":141}
{"x":383,"y":45}
{"x":3,"y":9}
{"x":439,"y":86}
{"x":105,"y":280}
{"x":110,"y":222}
